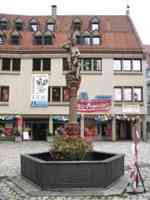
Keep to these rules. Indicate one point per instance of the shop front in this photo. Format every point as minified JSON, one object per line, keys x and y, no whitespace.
{"x":96,"y":119}
{"x":37,"y":128}
{"x":7,"y":125}
{"x":124,"y":124}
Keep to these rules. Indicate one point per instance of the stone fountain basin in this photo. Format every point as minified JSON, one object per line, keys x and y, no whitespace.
{"x":99,"y":169}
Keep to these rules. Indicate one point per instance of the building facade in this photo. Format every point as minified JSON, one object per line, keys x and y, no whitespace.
{"x":33,"y":64}
{"x":147,"y":84}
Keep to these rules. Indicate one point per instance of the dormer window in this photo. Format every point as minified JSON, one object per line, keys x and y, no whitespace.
{"x":95,"y":24}
{"x":77,"y":24}
{"x":96,"y":40}
{"x":2,"y":38}
{"x":86,"y":38}
{"x":48,"y":38}
{"x":95,"y":27}
{"x":15,"y":38}
{"x":18,"y":24}
{"x":50,"y":24}
{"x":3,"y":23}
{"x":33,"y":25}
{"x":38,"y":38}
{"x":50,"y":27}
{"x":77,"y":37}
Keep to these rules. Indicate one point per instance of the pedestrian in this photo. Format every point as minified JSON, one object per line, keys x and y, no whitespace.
{"x":60,"y":130}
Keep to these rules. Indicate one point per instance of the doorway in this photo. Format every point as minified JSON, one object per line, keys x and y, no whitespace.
{"x":39,"y":128}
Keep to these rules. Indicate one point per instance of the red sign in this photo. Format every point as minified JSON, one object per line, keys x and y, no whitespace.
{"x":94,"y":105}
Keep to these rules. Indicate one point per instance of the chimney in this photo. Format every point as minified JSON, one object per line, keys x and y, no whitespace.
{"x":128,"y":10}
{"x":54,"y":11}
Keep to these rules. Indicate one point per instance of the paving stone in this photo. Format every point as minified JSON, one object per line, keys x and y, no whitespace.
{"x":10,"y":167}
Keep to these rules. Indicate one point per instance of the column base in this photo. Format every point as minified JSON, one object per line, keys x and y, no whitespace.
{"x":72,"y":129}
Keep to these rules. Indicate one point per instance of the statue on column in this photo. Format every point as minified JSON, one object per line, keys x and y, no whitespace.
{"x":73,"y":80}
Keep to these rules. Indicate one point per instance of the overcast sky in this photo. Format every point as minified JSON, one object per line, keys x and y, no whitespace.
{"x":139,"y":10}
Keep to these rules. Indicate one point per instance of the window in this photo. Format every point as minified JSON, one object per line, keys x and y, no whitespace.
{"x":78,"y":39}
{"x":118,"y":94}
{"x":65,"y":64}
{"x":11,"y":64}
{"x":148,"y":72}
{"x":36,"y":64}
{"x":117,"y":64}
{"x":47,"y":39}
{"x":38,"y":40}
{"x":95,"y":27}
{"x":66,"y":94}
{"x":126,"y":65}
{"x":130,"y":65}
{"x":137,"y":94}
{"x":87,"y":64}
{"x":1,"y":39}
{"x":19,"y":26}
{"x":77,"y":26}
{"x":127,"y":94}
{"x":4,"y":93}
{"x":97,"y":65}
{"x":15,"y":39}
{"x":56,"y":95}
{"x":136,"y":65}
{"x":34,"y":27}
{"x":87,"y":40}
{"x":91,"y":64}
{"x":6,"y":64}
{"x":46,"y":64}
{"x":40,"y":64}
{"x":50,"y":27}
{"x":95,"y":40}
{"x":49,"y":93}
{"x":3,"y":24}
{"x":16,"y":64}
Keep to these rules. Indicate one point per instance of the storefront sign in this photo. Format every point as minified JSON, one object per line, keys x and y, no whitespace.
{"x":39,"y":90}
{"x":101,"y":105}
{"x":131,"y":108}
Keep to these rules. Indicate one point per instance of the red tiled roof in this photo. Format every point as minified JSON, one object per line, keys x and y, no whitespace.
{"x":117,"y":33}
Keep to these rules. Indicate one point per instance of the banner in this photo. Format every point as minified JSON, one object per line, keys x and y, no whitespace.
{"x":39,"y":90}
{"x":101,"y":105}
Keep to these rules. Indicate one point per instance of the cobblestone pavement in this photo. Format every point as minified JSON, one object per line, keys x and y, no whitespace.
{"x":10,"y":166}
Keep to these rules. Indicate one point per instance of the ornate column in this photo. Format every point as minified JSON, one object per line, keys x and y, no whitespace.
{"x":73,"y":83}
{"x":73,"y":80}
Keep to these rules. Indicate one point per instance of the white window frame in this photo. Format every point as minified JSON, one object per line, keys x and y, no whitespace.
{"x":50,"y":27}
{"x":127,"y":94}
{"x":126,"y":65}
{"x":95,"y":26}
{"x":117,"y":94}
{"x":96,"y":40}
{"x":87,"y":40}
{"x":136,"y":65}
{"x":137,"y":94}
{"x":117,"y":64}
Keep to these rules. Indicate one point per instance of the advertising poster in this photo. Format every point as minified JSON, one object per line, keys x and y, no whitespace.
{"x":39,"y":96}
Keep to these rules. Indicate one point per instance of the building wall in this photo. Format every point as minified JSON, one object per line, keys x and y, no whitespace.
{"x":94,"y":83}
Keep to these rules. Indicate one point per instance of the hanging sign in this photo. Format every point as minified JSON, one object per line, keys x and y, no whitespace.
{"x":101,"y":105}
{"x":39,"y":97}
